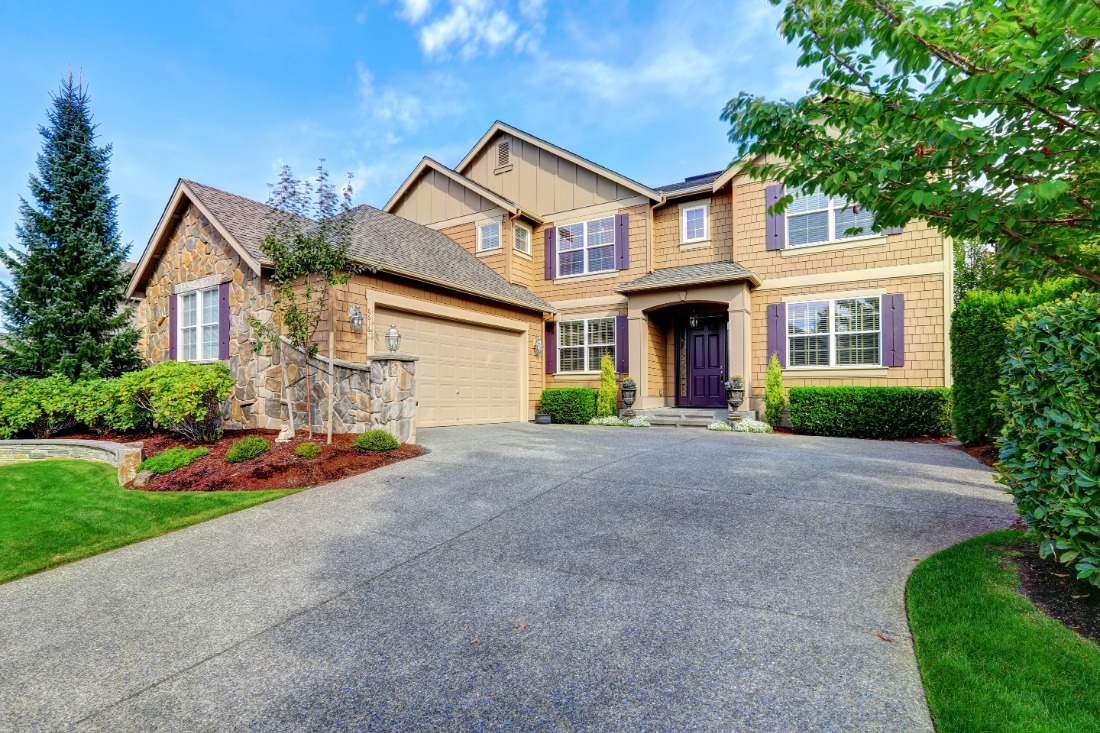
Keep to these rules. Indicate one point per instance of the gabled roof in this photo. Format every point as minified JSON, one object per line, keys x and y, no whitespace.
{"x":427,"y":163}
{"x":380,"y":242}
{"x":690,"y":184}
{"x":527,"y":137}
{"x":671,"y":277}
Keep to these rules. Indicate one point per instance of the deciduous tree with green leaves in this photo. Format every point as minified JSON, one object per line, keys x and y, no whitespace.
{"x":977,"y":116}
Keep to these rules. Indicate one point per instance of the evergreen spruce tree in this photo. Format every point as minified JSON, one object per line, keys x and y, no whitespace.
{"x":64,"y":309}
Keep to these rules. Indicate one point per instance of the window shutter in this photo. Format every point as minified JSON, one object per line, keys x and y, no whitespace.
{"x":622,"y":345}
{"x":777,"y":224}
{"x":893,"y":330}
{"x":550,"y":252}
{"x":777,"y":333}
{"x":223,"y":321}
{"x":622,"y":241}
{"x":550,"y":347}
{"x":172,"y":326}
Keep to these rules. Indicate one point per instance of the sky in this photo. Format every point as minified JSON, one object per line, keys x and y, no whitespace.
{"x":227,"y":92}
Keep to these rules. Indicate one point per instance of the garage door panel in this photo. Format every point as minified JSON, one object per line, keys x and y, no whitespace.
{"x":466,"y":374}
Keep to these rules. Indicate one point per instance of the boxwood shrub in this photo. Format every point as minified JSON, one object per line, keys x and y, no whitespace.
{"x":869,"y":412}
{"x":1050,"y":393}
{"x":375,"y":440}
{"x":247,"y":448}
{"x":572,"y":405}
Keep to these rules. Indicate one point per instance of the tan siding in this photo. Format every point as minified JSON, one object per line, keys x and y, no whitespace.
{"x":436,"y":198}
{"x":667,"y":234}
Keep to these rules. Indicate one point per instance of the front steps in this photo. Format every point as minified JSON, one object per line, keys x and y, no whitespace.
{"x":689,"y":417}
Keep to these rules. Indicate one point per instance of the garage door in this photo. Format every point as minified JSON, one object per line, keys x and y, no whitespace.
{"x":467,"y":374}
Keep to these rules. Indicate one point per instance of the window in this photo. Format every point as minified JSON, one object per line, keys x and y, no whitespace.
{"x":834,"y":333}
{"x":582,"y":344}
{"x":585,"y":247}
{"x":488,"y":236}
{"x":521,"y":237}
{"x":693,"y":223}
{"x":198,"y":319}
{"x":818,"y":218}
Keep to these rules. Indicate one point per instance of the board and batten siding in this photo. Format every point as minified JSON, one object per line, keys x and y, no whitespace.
{"x":434,"y":198}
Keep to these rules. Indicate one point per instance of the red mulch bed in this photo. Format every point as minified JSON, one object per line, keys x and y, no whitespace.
{"x":278,"y":468}
{"x":986,"y":453}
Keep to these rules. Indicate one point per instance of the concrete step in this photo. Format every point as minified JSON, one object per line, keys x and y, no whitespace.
{"x":688,"y":417}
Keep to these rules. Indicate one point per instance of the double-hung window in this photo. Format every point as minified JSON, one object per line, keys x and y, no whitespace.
{"x":488,"y":236}
{"x":521,"y":238}
{"x":198,"y":325}
{"x":693,"y":224}
{"x":817,"y":218}
{"x":834,"y":333}
{"x":588,"y":246}
{"x":582,"y":344}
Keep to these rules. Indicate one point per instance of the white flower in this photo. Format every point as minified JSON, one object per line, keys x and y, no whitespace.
{"x":639,"y":422}
{"x":719,"y":427}
{"x":751,"y":426}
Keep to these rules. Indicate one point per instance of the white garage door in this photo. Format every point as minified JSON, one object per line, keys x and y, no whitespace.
{"x":467,"y":374}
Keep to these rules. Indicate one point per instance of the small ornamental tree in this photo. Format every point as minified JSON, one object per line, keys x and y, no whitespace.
{"x":309,"y":233}
{"x":775,"y":402}
{"x":606,"y":401}
{"x":981,"y":117}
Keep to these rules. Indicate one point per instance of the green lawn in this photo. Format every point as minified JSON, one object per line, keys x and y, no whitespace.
{"x":54,"y":512}
{"x":990,"y":660}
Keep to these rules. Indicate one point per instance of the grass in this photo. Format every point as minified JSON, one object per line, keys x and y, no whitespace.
{"x":990,"y":660}
{"x":55,"y":512}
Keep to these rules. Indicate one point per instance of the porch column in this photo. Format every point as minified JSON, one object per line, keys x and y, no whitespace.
{"x":740,"y":339}
{"x":638,"y":330}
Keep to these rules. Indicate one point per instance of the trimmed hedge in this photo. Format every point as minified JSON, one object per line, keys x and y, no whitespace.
{"x":570,"y":405}
{"x":181,"y":397}
{"x":978,"y":332}
{"x":247,"y":448}
{"x":869,"y":412}
{"x":375,"y":440}
{"x":1050,"y":382}
{"x":42,"y":407}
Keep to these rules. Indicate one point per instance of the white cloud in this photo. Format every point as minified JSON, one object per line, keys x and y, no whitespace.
{"x":413,"y":11}
{"x":395,"y":111}
{"x":472,"y":28}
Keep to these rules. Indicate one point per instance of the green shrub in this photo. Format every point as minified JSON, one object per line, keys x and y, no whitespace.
{"x":606,"y":400}
{"x":775,"y":403}
{"x":104,"y":407}
{"x":870,"y":412}
{"x":978,"y":332}
{"x":173,"y":458}
{"x":42,"y":407}
{"x":1050,"y":393}
{"x":375,"y":440}
{"x":571,"y":405}
{"x":247,"y":448}
{"x":181,"y":397}
{"x":309,"y":451}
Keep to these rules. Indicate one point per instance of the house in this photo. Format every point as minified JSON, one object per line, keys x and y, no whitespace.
{"x":521,"y":266}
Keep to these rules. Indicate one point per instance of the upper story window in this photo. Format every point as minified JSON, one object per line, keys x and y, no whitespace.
{"x":586,"y":247}
{"x":817,"y":218}
{"x":198,"y":325}
{"x":521,"y":238}
{"x":834,"y":333}
{"x":693,"y":223}
{"x":582,"y":344}
{"x":488,"y":236}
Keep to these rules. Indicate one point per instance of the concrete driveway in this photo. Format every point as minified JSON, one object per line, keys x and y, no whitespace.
{"x":519,"y":577}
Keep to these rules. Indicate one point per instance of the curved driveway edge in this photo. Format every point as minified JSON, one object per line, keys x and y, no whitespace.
{"x":518,"y":577}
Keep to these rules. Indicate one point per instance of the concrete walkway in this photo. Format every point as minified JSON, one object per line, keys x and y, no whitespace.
{"x":519,"y":577}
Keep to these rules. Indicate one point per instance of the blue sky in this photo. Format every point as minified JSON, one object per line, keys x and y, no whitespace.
{"x":227,"y":92}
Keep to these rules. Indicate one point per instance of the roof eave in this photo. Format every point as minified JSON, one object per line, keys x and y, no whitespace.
{"x":626,"y":289}
{"x":426,"y":163}
{"x":544,"y":308}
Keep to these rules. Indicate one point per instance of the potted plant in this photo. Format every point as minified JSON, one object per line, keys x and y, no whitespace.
{"x":630,"y":393}
{"x":541,"y":418}
{"x":735,"y":393}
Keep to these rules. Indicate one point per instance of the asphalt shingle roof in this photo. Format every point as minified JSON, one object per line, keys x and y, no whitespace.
{"x":690,"y":182}
{"x":379,"y":241}
{"x":670,"y":277}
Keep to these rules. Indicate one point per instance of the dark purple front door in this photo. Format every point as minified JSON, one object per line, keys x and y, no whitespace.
{"x":702,"y":363}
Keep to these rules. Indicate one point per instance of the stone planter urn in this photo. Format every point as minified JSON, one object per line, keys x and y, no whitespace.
{"x":630,"y":393}
{"x":735,"y":395}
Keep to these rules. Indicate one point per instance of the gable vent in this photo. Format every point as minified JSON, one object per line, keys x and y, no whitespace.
{"x":503,"y":153}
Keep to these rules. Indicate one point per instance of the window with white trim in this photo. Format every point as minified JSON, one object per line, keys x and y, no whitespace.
{"x":582,"y":344}
{"x":587,"y":246}
{"x":488,"y":236}
{"x":834,"y":333}
{"x":198,"y":325}
{"x":817,"y":218}
{"x":521,"y":238}
{"x":693,"y":223}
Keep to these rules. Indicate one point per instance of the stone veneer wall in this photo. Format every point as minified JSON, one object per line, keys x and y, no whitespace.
{"x":126,"y":457}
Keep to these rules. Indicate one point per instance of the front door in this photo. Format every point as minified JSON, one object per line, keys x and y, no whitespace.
{"x":702,"y":363}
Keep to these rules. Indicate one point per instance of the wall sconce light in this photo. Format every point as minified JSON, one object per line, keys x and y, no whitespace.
{"x":538,"y":346}
{"x":355,"y":318}
{"x":393,"y":337}
{"x":693,"y":320}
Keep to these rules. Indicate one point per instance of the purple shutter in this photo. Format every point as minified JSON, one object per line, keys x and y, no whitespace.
{"x":223,"y":321}
{"x":777,"y":224}
{"x":891,"y":230}
{"x":893,"y":330}
{"x":551,"y":254}
{"x":172,"y":327}
{"x":550,"y":347}
{"x":622,"y":345}
{"x":622,"y":242}
{"x":777,"y":333}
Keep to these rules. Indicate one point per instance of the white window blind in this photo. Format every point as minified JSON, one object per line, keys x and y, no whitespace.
{"x":817,"y":218}
{"x":582,"y":344}
{"x":586,"y":247}
{"x":488,"y":236}
{"x":841,"y":332}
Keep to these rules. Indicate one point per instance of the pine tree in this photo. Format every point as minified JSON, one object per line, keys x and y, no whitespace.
{"x":64,"y":308}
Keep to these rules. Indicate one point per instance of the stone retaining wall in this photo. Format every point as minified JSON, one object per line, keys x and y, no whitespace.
{"x":126,"y":457}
